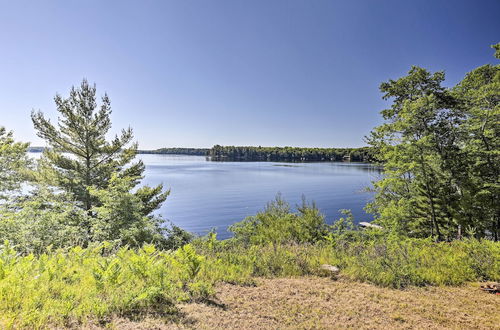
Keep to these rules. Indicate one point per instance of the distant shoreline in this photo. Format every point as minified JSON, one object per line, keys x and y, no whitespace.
{"x":280,"y":154}
{"x":171,"y":151}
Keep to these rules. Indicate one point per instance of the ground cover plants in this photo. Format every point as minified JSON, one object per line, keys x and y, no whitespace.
{"x":77,"y":286}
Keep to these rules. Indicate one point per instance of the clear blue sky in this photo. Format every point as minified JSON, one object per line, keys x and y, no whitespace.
{"x":199,"y":73}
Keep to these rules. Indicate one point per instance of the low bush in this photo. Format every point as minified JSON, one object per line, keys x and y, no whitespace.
{"x":395,"y":262}
{"x":277,"y":224}
{"x":240,"y":263}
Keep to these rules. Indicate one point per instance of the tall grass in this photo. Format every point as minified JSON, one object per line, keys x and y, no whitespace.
{"x":278,"y":242}
{"x":399,"y":261}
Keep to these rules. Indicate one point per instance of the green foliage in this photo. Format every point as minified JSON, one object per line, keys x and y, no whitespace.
{"x":175,"y":237}
{"x":41,"y":219}
{"x":400,"y":261}
{"x":361,"y":256}
{"x":61,"y":287}
{"x":121,"y":218}
{"x":278,"y":225}
{"x":98,"y":175}
{"x":344,"y":225}
{"x":497,"y":50}
{"x":13,"y":161}
{"x":64,"y":287}
{"x":269,"y":245}
{"x":233,"y":262}
{"x":439,"y":148}
{"x":79,"y":231}
{"x":80,"y":157}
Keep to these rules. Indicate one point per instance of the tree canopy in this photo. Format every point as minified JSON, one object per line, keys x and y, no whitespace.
{"x":12,"y":161}
{"x":98,"y":174}
{"x":440,"y":151}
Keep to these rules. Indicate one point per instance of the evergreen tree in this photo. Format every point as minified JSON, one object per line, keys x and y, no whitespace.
{"x":497,"y":50}
{"x":81,"y":161}
{"x":13,"y":161}
{"x":407,"y":144}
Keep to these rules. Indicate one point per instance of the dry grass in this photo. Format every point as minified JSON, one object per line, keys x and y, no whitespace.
{"x":312,"y":303}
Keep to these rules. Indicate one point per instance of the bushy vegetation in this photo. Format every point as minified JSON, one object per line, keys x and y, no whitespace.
{"x":84,"y":188}
{"x":12,"y":160}
{"x":400,"y":261}
{"x":60,"y":287}
{"x":277,"y":224}
{"x":395,"y":262}
{"x":440,"y":151}
{"x":77,"y":285}
{"x":369,"y":255}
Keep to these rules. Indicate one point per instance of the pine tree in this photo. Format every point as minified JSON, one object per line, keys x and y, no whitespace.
{"x":13,"y":160}
{"x":80,"y":160}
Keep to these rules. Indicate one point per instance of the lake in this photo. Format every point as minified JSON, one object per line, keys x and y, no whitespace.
{"x":206,"y":195}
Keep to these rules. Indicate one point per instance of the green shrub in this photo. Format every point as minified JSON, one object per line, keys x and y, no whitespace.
{"x":44,"y":218}
{"x":239,"y":263}
{"x":276,"y":224}
{"x":58,"y":287}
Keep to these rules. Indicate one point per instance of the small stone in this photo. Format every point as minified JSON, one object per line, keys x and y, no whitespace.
{"x":332,"y":269}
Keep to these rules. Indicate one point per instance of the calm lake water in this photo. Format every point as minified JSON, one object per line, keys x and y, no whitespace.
{"x":207,"y":195}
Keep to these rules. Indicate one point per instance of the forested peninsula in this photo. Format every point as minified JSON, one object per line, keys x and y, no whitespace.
{"x":275,"y":154}
{"x":290,"y":154}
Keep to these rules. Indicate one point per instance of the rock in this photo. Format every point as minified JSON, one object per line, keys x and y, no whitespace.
{"x":333,"y":270}
{"x":370,"y":225}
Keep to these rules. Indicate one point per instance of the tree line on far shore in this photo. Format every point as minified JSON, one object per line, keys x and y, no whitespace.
{"x":249,"y":153}
{"x":293,"y":154}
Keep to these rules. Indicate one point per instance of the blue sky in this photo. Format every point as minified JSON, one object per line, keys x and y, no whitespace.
{"x":198,"y":73}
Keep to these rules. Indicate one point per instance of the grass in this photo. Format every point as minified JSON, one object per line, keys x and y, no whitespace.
{"x":400,"y":262}
{"x":396,"y":262}
{"x":315,"y":303}
{"x":100,"y":285}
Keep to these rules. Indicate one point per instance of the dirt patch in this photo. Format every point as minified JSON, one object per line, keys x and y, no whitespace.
{"x":312,"y":303}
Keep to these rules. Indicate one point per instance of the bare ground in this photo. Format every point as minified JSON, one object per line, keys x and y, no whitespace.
{"x":321,"y":303}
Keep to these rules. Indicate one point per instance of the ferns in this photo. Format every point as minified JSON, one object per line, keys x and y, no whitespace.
{"x":78,"y":285}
